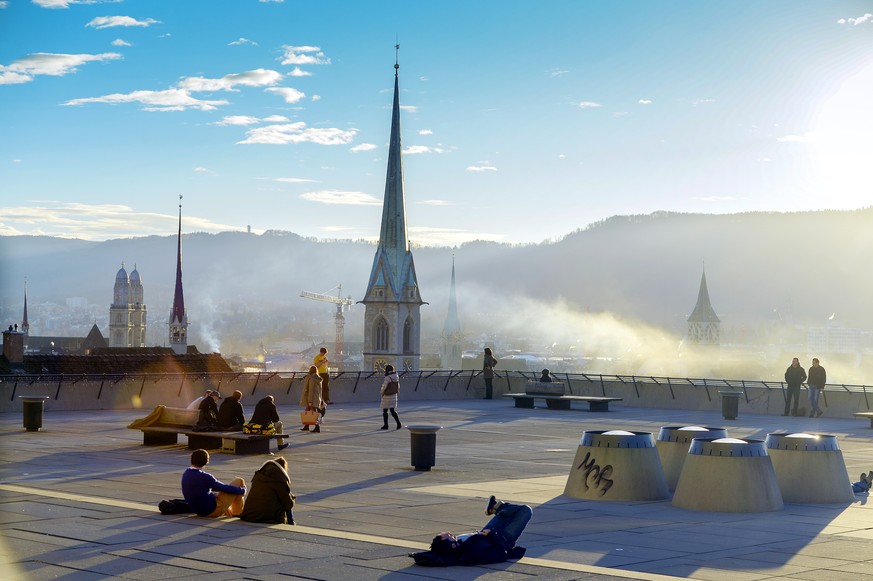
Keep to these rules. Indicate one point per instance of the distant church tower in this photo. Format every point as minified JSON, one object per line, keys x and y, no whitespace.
{"x":25,"y":325}
{"x":451,"y":340}
{"x":127,"y":314}
{"x":392,"y":318}
{"x":703,"y":324}
{"x":178,"y":315}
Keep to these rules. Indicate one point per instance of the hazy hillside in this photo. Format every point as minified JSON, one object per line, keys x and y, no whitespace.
{"x":806,"y":266}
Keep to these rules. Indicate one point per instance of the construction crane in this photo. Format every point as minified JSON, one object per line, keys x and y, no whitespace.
{"x":341,"y":304}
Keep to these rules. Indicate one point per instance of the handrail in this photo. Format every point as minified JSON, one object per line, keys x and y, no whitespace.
{"x":235,"y":376}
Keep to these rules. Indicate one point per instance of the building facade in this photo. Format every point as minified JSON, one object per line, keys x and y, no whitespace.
{"x":128,"y":313}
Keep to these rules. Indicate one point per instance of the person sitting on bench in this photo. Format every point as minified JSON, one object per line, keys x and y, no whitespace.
{"x":547,"y":376}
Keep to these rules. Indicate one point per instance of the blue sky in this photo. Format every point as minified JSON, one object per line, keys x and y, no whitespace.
{"x":522,"y":121}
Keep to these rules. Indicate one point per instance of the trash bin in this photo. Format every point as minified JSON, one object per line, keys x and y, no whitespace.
{"x":33,"y":406}
{"x":730,"y":404}
{"x":423,"y":445}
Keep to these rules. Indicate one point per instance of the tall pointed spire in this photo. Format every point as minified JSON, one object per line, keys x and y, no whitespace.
{"x":25,"y":325}
{"x":392,"y":322}
{"x":452,"y":325}
{"x":703,"y":311}
{"x":178,"y":317}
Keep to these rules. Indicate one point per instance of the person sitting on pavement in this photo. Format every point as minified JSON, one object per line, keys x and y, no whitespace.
{"x":270,"y":499}
{"x":864,"y":483}
{"x":546,"y":377}
{"x":494,"y":543}
{"x":206,"y":495}
{"x":231,"y":415}
{"x":265,"y":413}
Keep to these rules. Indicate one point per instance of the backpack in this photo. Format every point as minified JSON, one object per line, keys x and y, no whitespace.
{"x":174,"y":506}
{"x":265,"y":429}
{"x":393,"y":388}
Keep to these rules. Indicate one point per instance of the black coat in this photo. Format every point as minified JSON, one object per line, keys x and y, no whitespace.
{"x":230,"y":413}
{"x":817,"y":376}
{"x":265,"y":412}
{"x":208,"y":412}
{"x":794,"y":376}
{"x":270,"y":499}
{"x":478,"y":549}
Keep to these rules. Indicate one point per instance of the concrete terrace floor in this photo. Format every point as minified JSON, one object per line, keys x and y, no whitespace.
{"x":78,"y":501}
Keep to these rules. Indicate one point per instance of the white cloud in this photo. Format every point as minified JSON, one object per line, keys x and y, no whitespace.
{"x":67,"y":3}
{"x":205,"y":171}
{"x":294,"y":180}
{"x":271,"y":1}
{"x":645,"y":101}
{"x":304,"y":55}
{"x":275,"y":119}
{"x":120,"y":42}
{"x":316,"y":97}
{"x":298,"y":72}
{"x":96,"y":221}
{"x":25,"y":69}
{"x":342,"y":198}
{"x":253,"y":78}
{"x":717,"y":198}
{"x":588,"y":104}
{"x":4,"y":4}
{"x":481,"y":168}
{"x":409,"y":108}
{"x":298,"y":133}
{"x":242,"y":41}
{"x":867,"y":18}
{"x":697,"y":102}
{"x":425,"y":132}
{"x":416,"y":149}
{"x":168,"y":100}
{"x":290,"y":95}
{"x":364,"y":147}
{"x":435,"y":203}
{"x":113,"y":21}
{"x":558,"y":72}
{"x":238,"y":120}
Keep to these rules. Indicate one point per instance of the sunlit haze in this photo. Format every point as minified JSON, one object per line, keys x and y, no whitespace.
{"x":522,"y":121}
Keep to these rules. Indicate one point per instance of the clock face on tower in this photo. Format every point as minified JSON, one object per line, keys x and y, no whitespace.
{"x":379,"y":365}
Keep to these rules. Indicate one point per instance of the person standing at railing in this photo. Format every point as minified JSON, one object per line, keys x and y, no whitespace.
{"x":488,"y":365}
{"x":795,"y":375}
{"x":816,"y":381}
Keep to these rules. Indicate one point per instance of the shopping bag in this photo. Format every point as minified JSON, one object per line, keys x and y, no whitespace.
{"x":309,"y":418}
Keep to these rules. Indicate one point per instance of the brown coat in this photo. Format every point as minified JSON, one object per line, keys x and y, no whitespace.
{"x":270,"y":497}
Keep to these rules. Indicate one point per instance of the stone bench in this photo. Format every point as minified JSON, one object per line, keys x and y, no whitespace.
{"x":868,"y":415}
{"x":562,"y":402}
{"x":163,"y":426}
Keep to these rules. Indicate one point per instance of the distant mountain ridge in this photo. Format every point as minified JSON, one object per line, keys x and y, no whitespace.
{"x":801,"y":266}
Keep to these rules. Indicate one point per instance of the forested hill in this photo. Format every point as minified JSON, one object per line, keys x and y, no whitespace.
{"x":804,"y":265}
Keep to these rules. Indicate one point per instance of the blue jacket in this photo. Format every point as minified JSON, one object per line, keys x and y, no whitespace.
{"x":197,"y":487}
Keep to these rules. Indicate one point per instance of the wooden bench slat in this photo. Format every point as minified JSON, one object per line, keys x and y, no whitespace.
{"x":562,"y":402}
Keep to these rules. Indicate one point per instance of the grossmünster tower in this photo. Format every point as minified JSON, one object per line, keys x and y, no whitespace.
{"x":392,"y":303}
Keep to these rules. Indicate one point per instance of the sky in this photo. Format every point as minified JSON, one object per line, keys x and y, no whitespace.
{"x":521,"y":121}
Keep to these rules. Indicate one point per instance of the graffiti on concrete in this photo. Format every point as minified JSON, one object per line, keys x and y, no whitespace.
{"x":595,"y":477}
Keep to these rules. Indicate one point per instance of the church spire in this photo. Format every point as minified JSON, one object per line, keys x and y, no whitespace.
{"x":25,"y":325}
{"x":703,"y":311}
{"x":452,"y":325}
{"x":178,"y":317}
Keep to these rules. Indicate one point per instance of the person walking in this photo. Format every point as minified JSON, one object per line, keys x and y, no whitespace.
{"x":488,"y":365}
{"x":321,"y":362}
{"x":311,"y":397}
{"x":816,"y":381}
{"x":270,"y":499}
{"x":389,"y":392}
{"x":795,"y":375}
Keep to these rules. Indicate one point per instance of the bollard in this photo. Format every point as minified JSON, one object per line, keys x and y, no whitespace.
{"x":423,"y":446}
{"x":730,"y":404}
{"x":33,"y":406}
{"x":617,"y":465}
{"x":810,"y":468}
{"x":728,"y":475}
{"x":673,"y":443}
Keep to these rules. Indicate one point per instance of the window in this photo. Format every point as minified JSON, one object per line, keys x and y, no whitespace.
{"x":407,"y":336}
{"x":380,"y":338}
